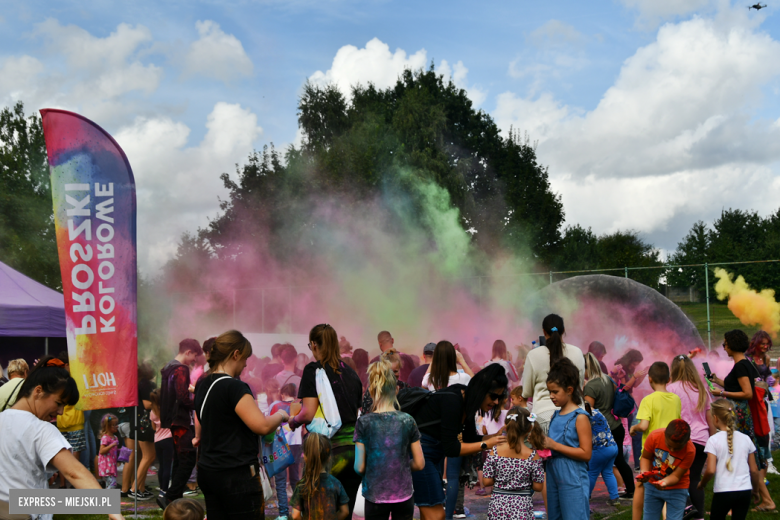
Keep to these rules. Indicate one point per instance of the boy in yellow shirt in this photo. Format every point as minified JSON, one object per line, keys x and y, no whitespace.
{"x":660,"y":408}
{"x":656,"y":411}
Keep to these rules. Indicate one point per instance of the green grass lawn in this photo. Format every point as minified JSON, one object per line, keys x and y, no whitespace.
{"x":721,"y":321}
{"x":624,"y":512}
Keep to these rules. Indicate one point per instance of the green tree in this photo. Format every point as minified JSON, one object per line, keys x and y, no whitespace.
{"x":27,"y":238}
{"x":430,"y":127}
{"x":695,"y":248}
{"x":579,"y":250}
{"x":626,"y":248}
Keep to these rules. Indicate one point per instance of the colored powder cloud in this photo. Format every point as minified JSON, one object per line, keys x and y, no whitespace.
{"x":750,"y":306}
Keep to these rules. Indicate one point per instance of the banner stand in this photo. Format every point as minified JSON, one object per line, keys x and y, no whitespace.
{"x":135,"y":460}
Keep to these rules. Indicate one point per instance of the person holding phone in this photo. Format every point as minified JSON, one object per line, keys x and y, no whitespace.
{"x":739,"y":386}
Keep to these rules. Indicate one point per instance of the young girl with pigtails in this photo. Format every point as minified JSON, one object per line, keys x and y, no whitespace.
{"x":515,"y":470}
{"x":731,"y":458}
{"x":387,"y":449}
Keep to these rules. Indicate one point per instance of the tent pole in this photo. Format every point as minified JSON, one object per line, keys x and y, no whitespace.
{"x":46,"y":347}
{"x":135,"y":460}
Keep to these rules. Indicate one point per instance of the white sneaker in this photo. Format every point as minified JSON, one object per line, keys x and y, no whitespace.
{"x":281,"y":518}
{"x":772,"y":469}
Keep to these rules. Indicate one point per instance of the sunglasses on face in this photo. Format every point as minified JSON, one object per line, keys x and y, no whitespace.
{"x":495,"y":397}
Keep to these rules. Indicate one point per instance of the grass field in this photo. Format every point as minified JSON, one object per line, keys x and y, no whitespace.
{"x":622,"y":512}
{"x":721,"y":321}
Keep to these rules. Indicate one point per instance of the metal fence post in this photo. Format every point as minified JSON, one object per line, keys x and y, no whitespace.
{"x":551,"y":278}
{"x":626,"y":271}
{"x":707,"y":290}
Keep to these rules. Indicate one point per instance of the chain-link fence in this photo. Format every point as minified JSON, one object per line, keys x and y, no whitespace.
{"x":692,"y":288}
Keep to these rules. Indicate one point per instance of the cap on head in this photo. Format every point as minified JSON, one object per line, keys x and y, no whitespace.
{"x":428,"y":349}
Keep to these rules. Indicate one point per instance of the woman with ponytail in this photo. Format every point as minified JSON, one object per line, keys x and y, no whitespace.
{"x":731,"y":459}
{"x":29,"y":442}
{"x":384,"y":441}
{"x":227,"y":430}
{"x":538,"y":363}
{"x":515,"y":470}
{"x":347,"y":390}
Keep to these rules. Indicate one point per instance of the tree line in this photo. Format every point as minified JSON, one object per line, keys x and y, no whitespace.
{"x":374,"y":143}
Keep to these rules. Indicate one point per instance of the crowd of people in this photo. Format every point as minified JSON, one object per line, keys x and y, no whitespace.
{"x":398,"y":431}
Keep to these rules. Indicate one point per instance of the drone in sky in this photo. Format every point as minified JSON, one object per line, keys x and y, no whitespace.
{"x":757,"y":7}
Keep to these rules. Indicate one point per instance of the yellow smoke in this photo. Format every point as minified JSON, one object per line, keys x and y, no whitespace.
{"x":750,"y":306}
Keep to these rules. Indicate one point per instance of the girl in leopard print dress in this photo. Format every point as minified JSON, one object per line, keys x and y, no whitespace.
{"x":515,"y":470}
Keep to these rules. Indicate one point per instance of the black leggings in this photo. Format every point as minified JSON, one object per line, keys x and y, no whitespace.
{"x":398,"y":510}
{"x":164,"y":450}
{"x":624,"y":469}
{"x":697,"y":495}
{"x":738,"y":502}
{"x":343,"y":468}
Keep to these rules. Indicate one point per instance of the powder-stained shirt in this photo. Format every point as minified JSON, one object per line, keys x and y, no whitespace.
{"x":387,"y":437}
{"x":602,"y":435}
{"x":324,"y":502}
{"x":666,"y":460}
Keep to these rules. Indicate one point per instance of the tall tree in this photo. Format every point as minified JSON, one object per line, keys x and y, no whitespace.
{"x":27,"y":238}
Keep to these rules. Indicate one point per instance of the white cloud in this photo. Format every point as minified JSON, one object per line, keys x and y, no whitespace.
{"x":458,"y":74}
{"x":555,"y":33}
{"x":541,"y":118}
{"x":81,"y":72}
{"x":372,"y":64}
{"x":377,"y":65}
{"x":676,"y":134}
{"x":178,"y":186}
{"x":217,"y":55}
{"x":652,"y":12}
{"x":553,"y":50}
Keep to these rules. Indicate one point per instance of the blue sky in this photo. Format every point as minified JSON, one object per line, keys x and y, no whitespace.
{"x":651,"y":114}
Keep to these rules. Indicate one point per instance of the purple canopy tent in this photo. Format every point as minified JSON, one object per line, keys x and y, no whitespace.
{"x":29,"y":310}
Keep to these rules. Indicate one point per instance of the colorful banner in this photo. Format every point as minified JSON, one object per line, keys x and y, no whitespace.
{"x":95,"y":213}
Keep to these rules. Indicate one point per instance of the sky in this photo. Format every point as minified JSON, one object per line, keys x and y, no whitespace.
{"x":650,"y":114}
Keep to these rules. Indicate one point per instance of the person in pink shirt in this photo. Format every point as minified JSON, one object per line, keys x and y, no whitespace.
{"x":695,"y":410}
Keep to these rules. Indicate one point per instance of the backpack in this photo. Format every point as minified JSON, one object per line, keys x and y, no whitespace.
{"x":412,"y":399}
{"x":624,"y":402}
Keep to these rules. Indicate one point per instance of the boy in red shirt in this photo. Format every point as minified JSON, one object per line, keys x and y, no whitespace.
{"x":671,"y":453}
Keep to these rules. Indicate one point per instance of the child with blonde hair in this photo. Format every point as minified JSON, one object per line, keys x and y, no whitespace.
{"x":731,"y":459}
{"x":515,"y":470}
{"x":109,"y":425}
{"x":184,"y":509}
{"x":385,"y":439}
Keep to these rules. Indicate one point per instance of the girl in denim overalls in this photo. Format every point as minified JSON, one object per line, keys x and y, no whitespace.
{"x":570,"y":439}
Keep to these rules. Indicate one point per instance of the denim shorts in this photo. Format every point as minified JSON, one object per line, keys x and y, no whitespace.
{"x":428,"y":484}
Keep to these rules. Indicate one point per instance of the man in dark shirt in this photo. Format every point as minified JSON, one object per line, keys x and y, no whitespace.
{"x":386,"y":342}
{"x":176,"y":407}
{"x":416,"y":377}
